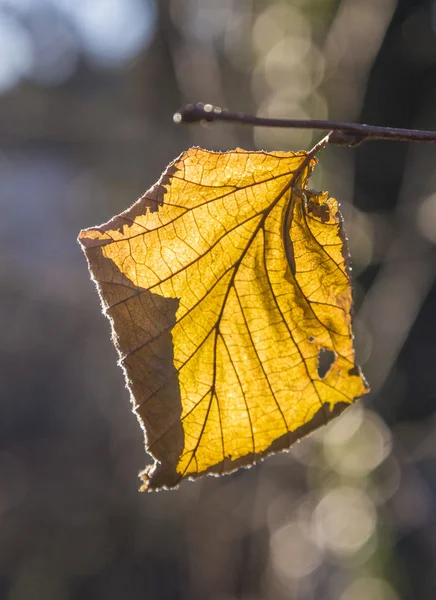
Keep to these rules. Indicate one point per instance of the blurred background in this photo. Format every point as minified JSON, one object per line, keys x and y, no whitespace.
{"x":87,"y":93}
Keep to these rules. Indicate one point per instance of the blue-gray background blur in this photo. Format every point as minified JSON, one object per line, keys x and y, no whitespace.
{"x":87,"y":93}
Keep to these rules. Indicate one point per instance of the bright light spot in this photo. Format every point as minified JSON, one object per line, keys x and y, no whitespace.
{"x":15,"y":52}
{"x":427,"y":218}
{"x":369,"y":588}
{"x":273,"y":25}
{"x":113,"y":31}
{"x":344,"y":520}
{"x":364,"y":450}
{"x":286,"y":53}
{"x":344,"y":427}
{"x":293,"y":554}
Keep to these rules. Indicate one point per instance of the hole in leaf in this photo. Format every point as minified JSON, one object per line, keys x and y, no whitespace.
{"x":326,"y":358}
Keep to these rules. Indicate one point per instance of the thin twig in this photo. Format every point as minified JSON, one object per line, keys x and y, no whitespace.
{"x":345,"y":134}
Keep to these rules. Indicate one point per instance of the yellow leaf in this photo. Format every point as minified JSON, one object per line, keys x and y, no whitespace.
{"x":225,"y":284}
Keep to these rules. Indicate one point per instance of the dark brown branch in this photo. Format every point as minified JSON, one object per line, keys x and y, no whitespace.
{"x":345,"y":134}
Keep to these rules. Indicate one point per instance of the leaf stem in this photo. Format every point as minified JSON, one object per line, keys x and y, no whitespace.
{"x":343,"y":133}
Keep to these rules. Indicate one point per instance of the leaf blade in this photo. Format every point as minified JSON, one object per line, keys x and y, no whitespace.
{"x":223,"y":283}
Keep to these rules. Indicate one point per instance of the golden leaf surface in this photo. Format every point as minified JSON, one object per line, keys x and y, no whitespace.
{"x":224,"y":284}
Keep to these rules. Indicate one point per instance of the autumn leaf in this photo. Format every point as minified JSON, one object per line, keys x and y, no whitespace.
{"x":227,"y":285}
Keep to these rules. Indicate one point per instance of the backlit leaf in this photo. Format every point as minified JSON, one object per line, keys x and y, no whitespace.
{"x":228,"y":291}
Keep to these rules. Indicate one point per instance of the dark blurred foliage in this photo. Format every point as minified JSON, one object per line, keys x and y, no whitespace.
{"x":88,"y":89}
